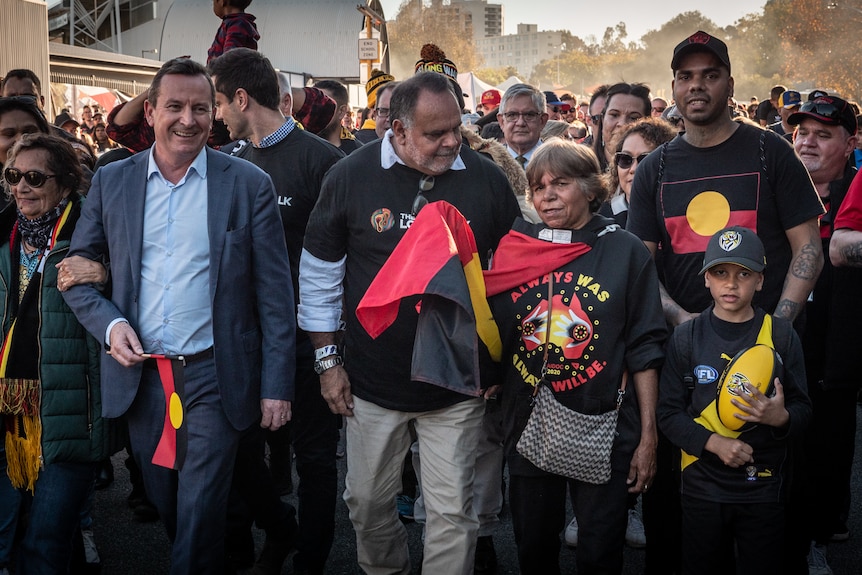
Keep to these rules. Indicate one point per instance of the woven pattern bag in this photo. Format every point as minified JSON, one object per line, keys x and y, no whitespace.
{"x":568,"y":443}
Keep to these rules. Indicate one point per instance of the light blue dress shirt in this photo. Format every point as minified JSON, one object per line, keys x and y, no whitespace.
{"x":174,"y":311}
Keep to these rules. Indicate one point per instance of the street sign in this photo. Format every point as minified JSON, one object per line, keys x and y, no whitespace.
{"x":369,"y":49}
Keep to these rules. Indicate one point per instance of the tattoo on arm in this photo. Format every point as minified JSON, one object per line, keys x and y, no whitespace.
{"x":804,"y":266}
{"x":786,"y":309}
{"x":671,"y":309}
{"x":852,"y":254}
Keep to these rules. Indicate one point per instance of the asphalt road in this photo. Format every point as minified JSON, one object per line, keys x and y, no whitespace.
{"x":130,"y":548}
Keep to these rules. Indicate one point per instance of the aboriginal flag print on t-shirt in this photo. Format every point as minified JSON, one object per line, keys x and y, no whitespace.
{"x":695,"y":209}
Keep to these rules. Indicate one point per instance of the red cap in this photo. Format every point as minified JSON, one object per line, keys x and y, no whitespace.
{"x":491,"y":98}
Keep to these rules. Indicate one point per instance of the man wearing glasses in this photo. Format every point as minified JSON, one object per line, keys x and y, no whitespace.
{"x":720,"y":173}
{"x":522,"y":116}
{"x":367,"y":202}
{"x":381,"y":110}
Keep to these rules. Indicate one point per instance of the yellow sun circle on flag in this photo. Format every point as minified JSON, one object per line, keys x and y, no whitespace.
{"x":707,"y":213}
{"x":176,"y":411}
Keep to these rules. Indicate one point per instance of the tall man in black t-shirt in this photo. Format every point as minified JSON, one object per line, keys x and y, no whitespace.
{"x":719,"y":173}
{"x":367,"y":203}
{"x":248,"y":101}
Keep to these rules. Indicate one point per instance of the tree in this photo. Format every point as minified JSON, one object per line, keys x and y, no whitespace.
{"x":495,"y":76}
{"x":438,"y":23}
{"x":818,"y":47}
{"x":756,"y":63}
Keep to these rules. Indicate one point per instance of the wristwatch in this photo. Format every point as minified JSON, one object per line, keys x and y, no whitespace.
{"x":322,"y":365}
{"x":325,"y":351}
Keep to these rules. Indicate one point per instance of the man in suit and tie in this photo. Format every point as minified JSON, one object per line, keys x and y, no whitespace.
{"x":522,"y":116}
{"x":199,"y":269}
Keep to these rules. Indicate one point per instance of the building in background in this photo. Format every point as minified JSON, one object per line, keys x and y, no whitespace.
{"x":523,"y":51}
{"x":486,"y":19}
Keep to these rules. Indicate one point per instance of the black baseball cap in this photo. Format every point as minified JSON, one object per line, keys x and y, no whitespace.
{"x":64,"y":118}
{"x":700,"y":41}
{"x":829,"y":110}
{"x":735,"y":245}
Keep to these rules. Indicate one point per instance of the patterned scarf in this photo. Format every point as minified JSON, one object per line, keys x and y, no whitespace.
{"x":37,"y":232}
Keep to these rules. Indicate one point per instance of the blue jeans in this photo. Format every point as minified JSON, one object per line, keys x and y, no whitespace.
{"x":54,"y":509}
{"x":10,"y":501}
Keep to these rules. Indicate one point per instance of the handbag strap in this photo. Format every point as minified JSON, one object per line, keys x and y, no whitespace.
{"x":621,"y":392}
{"x":547,"y":333}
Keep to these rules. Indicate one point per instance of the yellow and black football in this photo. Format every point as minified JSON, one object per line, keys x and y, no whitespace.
{"x":757,"y":366}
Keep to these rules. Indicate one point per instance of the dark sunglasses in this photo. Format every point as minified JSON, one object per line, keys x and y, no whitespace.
{"x":426,"y":184}
{"x":659,"y":109}
{"x":625,"y":161}
{"x":34,"y":178}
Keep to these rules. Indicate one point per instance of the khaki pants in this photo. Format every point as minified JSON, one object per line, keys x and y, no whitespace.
{"x":377,"y":440}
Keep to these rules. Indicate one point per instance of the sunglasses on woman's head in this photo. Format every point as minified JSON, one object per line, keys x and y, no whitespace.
{"x":34,"y":178}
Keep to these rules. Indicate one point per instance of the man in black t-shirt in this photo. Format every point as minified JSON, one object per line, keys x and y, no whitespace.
{"x":824,"y":140}
{"x":249,"y":102}
{"x":367,"y":203}
{"x":767,"y":110}
{"x":720,"y":173}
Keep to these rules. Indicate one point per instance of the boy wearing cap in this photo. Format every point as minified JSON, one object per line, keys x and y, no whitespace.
{"x":732,"y":482}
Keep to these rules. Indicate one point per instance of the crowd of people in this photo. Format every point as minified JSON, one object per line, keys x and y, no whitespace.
{"x":548,"y":286}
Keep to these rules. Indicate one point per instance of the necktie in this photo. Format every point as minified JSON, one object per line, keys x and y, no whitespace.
{"x":523,"y":161}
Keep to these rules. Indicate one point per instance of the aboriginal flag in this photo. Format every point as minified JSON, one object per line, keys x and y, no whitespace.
{"x":171,"y":450}
{"x":695,"y":209}
{"x":520,"y":257}
{"x":437,"y":259}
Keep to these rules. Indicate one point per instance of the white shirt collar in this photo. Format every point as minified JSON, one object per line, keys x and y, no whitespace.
{"x":389,"y":158}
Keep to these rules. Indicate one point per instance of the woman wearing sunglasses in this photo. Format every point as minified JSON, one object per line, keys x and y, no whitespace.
{"x":631,"y":146}
{"x":576,"y":301}
{"x":49,"y":365}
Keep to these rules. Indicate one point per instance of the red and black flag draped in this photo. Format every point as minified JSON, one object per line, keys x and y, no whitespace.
{"x":173,"y":444}
{"x":520,"y":258}
{"x":437,"y":259}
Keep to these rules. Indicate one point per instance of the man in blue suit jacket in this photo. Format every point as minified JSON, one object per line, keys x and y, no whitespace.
{"x":199,"y":268}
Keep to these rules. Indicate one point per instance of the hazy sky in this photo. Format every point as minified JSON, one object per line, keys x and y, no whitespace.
{"x":591,"y":18}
